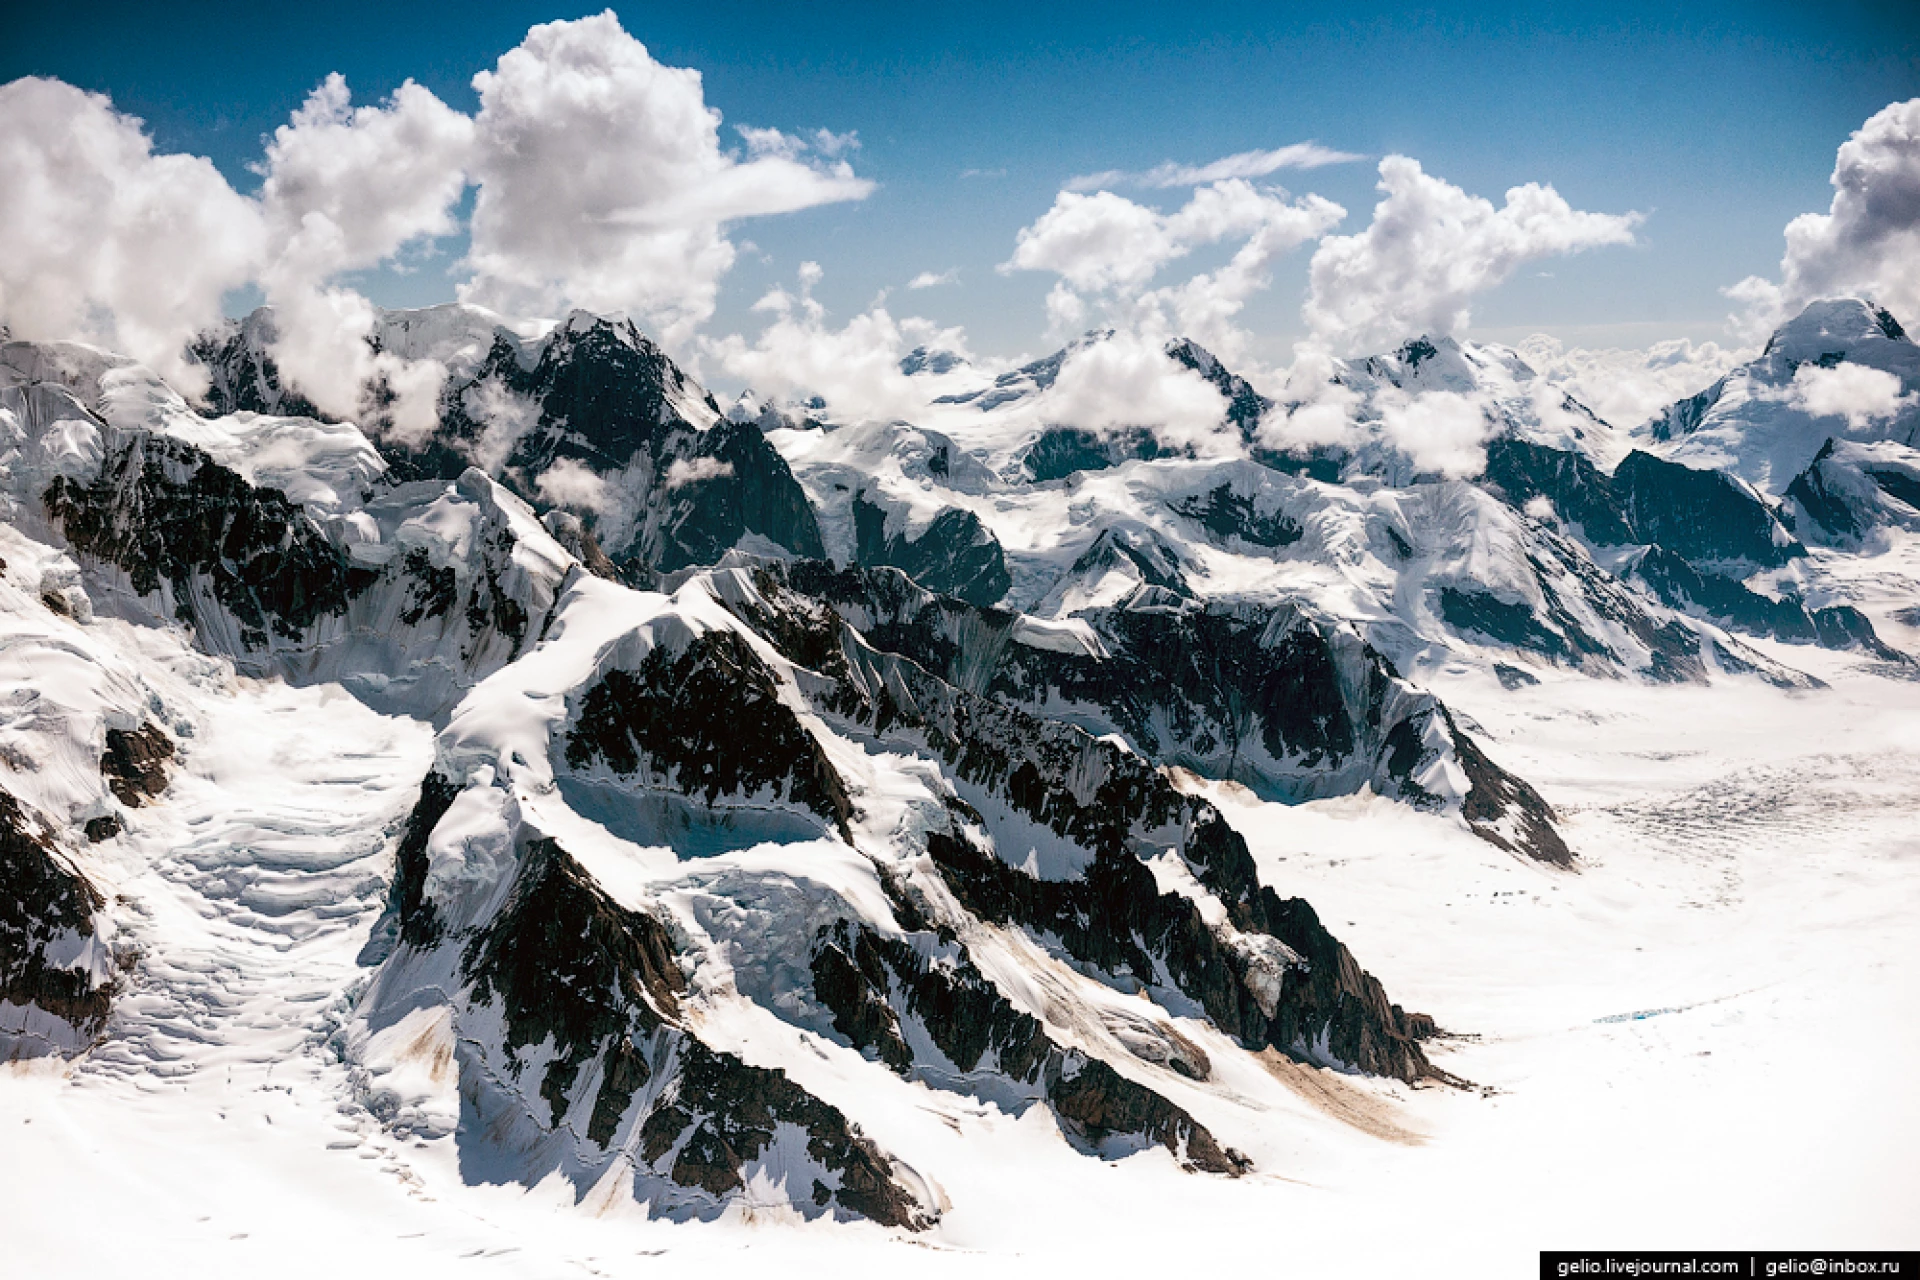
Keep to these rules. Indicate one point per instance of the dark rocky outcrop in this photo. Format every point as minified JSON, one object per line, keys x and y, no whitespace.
{"x":135,"y":763}
{"x":1061,"y":451}
{"x":410,"y":915}
{"x":871,"y":983}
{"x":170,"y":516}
{"x":1318,"y":1005}
{"x":1847,"y":492}
{"x":1683,"y":417}
{"x":597,"y":988}
{"x":1138,"y":553}
{"x":1110,"y":802}
{"x":44,"y":902}
{"x":1232,"y":517}
{"x":1732,"y":603}
{"x":1258,"y":694}
{"x":1704,"y":516}
{"x":604,"y":396}
{"x":1245,"y":406}
{"x":1099,"y":1105}
{"x":954,"y":555}
{"x":706,"y":722}
{"x":1520,"y":471}
{"x":1502,"y":809}
{"x":240,"y":373}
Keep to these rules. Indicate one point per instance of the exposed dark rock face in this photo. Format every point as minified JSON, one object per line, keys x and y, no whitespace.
{"x":44,"y":904}
{"x":1061,"y":451}
{"x":169,"y":515}
{"x":574,"y":970}
{"x":872,"y":982}
{"x":934,"y":360}
{"x":606,"y":397}
{"x":135,"y":763}
{"x":1582,"y":494}
{"x":1684,"y":417}
{"x":719,"y":1114}
{"x":592,"y":992}
{"x":1101,"y":1105}
{"x":578,"y":541}
{"x":1557,"y":636}
{"x":1110,"y":802}
{"x":706,"y":722}
{"x":954,"y":555}
{"x":1513,"y":677}
{"x":1848,"y":493}
{"x":1732,"y":603}
{"x":1701,"y":515}
{"x":1501,"y":808}
{"x":1704,"y":531}
{"x":1261,"y":695}
{"x":243,"y":376}
{"x":1134,"y":552}
{"x":1228,"y":516}
{"x":1245,"y":406}
{"x":412,"y":913}
{"x":1324,"y":1009}
{"x":1829,"y":505}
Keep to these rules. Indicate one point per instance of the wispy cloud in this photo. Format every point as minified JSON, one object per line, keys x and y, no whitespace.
{"x":928,"y":279}
{"x":1244,"y":164}
{"x":983,"y":173}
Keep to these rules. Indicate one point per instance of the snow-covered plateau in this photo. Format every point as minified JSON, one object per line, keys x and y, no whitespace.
{"x":618,"y":833}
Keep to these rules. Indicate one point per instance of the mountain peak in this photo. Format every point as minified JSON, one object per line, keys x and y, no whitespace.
{"x":1829,"y":326}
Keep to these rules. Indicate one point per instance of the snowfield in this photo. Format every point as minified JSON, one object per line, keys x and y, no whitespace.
{"x":1722,"y":999}
{"x":961,"y":847}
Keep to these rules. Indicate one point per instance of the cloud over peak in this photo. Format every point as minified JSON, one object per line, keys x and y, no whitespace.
{"x":107,"y":242}
{"x":1868,"y":241}
{"x":1432,"y":247}
{"x":601,"y":182}
{"x":1106,"y":248}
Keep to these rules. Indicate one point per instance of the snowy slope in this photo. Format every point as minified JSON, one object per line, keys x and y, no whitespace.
{"x":1765,"y":421}
{"x":982,"y":874}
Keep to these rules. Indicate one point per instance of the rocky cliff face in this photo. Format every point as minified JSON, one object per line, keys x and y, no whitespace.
{"x":56,"y":976}
{"x":954,"y":555}
{"x":1292,"y":707}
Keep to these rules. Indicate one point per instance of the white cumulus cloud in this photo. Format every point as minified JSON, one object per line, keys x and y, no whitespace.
{"x":1106,"y":248}
{"x":1439,"y":431}
{"x":571,"y":483}
{"x":603,"y":183}
{"x":854,"y":367}
{"x":1431,"y":248}
{"x":1130,"y":381}
{"x":1627,"y":386}
{"x":1868,"y":241}
{"x":1860,"y":394}
{"x":347,"y":189}
{"x":684,"y":472}
{"x":107,"y":242}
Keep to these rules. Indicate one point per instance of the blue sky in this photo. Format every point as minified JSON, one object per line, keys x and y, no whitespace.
{"x":1718,"y":122}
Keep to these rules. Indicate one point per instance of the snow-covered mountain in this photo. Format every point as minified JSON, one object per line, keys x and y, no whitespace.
{"x":678,"y":806}
{"x":1843,"y":368}
{"x":667,"y":840}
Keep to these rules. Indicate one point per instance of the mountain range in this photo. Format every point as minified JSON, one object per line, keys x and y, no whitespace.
{"x":702,"y":784}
